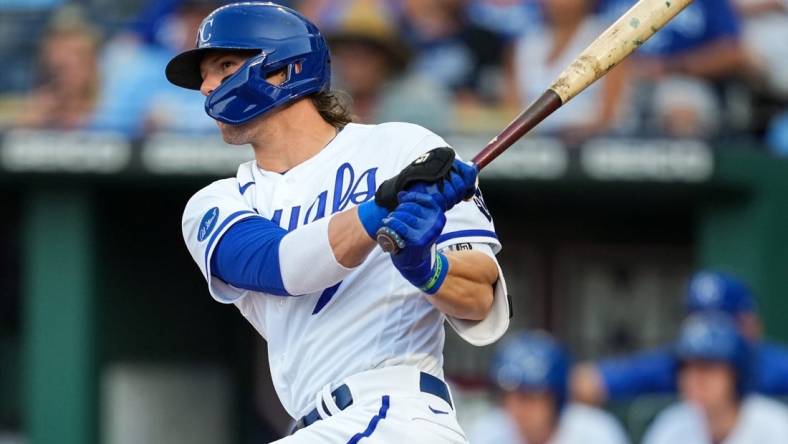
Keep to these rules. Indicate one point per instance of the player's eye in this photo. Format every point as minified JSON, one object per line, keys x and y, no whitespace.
{"x":227,"y":64}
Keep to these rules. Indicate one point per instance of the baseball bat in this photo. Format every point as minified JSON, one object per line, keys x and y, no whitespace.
{"x":614,"y":45}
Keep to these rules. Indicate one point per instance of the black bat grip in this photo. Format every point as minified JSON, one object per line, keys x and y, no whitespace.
{"x":391,"y":242}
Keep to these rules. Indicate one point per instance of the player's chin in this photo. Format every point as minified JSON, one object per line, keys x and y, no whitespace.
{"x":232,"y":134}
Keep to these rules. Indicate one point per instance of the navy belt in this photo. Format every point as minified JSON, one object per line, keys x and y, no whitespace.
{"x":343,"y":399}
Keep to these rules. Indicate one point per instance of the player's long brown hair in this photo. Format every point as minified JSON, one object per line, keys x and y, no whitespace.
{"x":334,"y":107}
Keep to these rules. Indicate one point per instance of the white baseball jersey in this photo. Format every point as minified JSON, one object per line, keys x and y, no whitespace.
{"x":578,"y":424}
{"x":761,"y":420}
{"x":373,"y":318}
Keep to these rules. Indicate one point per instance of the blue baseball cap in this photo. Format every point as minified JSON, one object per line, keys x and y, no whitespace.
{"x":713,"y":336}
{"x":531,"y":361}
{"x":714,"y":290}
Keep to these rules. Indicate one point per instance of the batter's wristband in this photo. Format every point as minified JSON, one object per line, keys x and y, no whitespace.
{"x":439,"y":272}
{"x":371,"y":216}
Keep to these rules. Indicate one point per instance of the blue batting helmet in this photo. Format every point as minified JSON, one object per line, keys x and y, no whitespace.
{"x":713,"y":336}
{"x":531,"y":362}
{"x":714,"y":290}
{"x":279,"y":38}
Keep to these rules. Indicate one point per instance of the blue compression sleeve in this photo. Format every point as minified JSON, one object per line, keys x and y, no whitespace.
{"x":247,"y":256}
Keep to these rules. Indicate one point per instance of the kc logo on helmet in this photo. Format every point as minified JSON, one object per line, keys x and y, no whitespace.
{"x":205,"y":30}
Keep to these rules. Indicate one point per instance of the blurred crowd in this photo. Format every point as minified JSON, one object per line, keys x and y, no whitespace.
{"x":718,"y":71}
{"x":724,"y":377}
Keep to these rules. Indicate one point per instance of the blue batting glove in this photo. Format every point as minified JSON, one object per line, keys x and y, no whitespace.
{"x":419,"y":220}
{"x":460,"y":184}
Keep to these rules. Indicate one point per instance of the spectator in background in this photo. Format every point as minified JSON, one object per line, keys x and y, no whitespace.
{"x":686,"y":107}
{"x":69,"y":83}
{"x":177,"y":109}
{"x":370,"y":63}
{"x":702,"y":41}
{"x":332,"y":14}
{"x":136,"y":98}
{"x":701,"y":45}
{"x":653,"y":371}
{"x":765,"y":34}
{"x":530,"y":372}
{"x":544,"y":51}
{"x":451,"y":50}
{"x":714,"y":372}
{"x":507,"y":18}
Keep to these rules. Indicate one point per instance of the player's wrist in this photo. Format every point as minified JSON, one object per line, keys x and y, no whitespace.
{"x":437,"y":275}
{"x":428,"y":274}
{"x":371,"y":216}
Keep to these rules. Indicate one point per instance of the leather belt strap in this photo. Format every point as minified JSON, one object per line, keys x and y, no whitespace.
{"x":344,"y":399}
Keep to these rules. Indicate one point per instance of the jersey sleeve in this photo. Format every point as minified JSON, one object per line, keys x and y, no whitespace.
{"x":208,"y":215}
{"x":651,"y":371}
{"x":469,"y":225}
{"x":494,"y":326}
{"x":470,"y":222}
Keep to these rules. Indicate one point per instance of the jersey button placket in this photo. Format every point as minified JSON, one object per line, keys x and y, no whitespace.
{"x":288,"y":190}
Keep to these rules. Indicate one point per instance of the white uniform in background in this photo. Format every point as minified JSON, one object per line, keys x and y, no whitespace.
{"x":533,"y":70}
{"x":579,"y":424}
{"x":766,"y":37}
{"x":761,"y":421}
{"x":373,"y":319}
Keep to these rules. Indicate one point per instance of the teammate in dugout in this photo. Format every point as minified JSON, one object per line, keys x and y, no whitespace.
{"x":355,"y":336}
{"x":653,"y":371}
{"x":714,"y":379}
{"x":530,"y":372}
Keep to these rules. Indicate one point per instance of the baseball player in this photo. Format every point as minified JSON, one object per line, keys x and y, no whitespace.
{"x":355,"y":335}
{"x":530,"y":372}
{"x":714,"y":383}
{"x":653,"y":371}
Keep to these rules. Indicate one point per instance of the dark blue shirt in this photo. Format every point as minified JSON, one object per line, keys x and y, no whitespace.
{"x":703,"y":22}
{"x":654,"y":371}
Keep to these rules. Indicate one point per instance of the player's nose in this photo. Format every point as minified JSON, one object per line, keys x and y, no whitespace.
{"x":209,"y":83}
